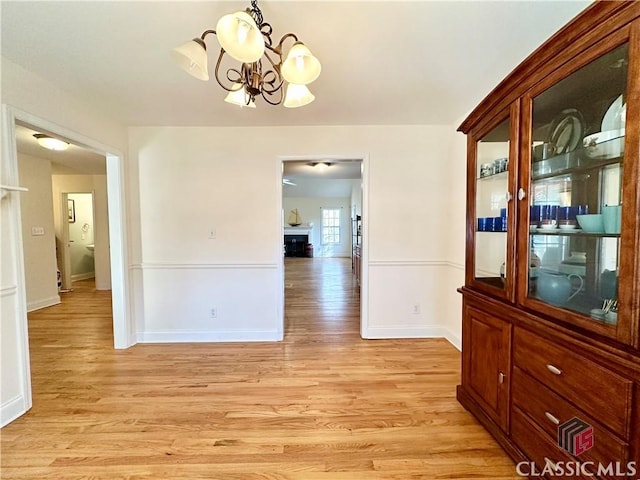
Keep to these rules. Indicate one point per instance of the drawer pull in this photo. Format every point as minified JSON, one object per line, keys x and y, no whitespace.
{"x":501,"y":378}
{"x":553,"y":369}
{"x":552,"y":418}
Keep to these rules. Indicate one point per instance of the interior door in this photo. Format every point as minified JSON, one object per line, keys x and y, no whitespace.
{"x":63,"y":247}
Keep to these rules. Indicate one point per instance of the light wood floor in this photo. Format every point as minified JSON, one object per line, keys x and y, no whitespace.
{"x":323,"y":404}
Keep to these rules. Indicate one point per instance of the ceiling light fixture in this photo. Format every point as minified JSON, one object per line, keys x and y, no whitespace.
{"x":320,"y":165}
{"x":263,"y":72}
{"x":50,"y":143}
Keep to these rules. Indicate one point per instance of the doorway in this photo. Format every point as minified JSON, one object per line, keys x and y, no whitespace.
{"x":326,"y":199}
{"x":114,"y":240}
{"x":77,"y":259}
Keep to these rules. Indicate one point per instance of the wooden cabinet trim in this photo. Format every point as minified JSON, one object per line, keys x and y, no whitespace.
{"x":616,"y":356}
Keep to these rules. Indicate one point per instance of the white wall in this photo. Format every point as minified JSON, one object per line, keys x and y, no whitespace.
{"x":310,"y":210}
{"x":194,"y":179}
{"x":38,"y":233}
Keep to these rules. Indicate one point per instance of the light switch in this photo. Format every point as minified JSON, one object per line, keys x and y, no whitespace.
{"x":212,"y":233}
{"x":37,"y":231}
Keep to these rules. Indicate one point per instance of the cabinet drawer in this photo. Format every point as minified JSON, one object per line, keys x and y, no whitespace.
{"x":586,"y":384}
{"x":546,"y":408}
{"x":535,"y":444}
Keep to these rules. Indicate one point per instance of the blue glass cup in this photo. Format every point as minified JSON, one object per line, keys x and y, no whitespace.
{"x":534,"y":215}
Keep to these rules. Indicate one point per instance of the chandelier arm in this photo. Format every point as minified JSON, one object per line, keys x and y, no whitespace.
{"x":266,"y":99}
{"x":278,"y":48}
{"x":207,"y":32}
{"x":276,"y":66}
{"x":217,"y":72}
{"x":271,"y":82}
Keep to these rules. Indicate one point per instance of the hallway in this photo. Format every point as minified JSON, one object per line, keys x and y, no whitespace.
{"x":321,"y":298}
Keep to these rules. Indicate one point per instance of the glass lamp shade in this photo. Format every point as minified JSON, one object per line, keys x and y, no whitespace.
{"x":239,"y":97}
{"x":51,"y":143}
{"x":300,"y":67}
{"x":297,"y":96}
{"x":192,"y":58}
{"x":239,"y":36}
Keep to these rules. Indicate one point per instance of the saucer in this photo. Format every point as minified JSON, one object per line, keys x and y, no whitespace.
{"x":567,"y":227}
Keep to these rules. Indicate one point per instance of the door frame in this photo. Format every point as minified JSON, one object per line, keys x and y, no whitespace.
{"x":364,"y":258}
{"x":122,"y":327}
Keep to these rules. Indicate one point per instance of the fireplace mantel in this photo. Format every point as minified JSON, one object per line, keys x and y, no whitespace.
{"x":306,"y":230}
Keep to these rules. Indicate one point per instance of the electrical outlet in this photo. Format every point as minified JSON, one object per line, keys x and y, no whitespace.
{"x":214,"y":313}
{"x":416,"y":309}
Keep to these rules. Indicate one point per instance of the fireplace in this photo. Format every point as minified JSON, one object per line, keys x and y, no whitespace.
{"x":296,"y":241}
{"x":295,"y":245}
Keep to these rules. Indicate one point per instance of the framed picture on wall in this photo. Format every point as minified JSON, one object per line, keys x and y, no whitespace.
{"x":71,"y":206}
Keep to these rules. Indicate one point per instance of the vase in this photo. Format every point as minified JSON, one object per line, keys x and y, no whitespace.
{"x":557,"y":288}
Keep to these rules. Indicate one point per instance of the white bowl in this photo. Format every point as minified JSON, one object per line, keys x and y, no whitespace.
{"x":604,"y":145}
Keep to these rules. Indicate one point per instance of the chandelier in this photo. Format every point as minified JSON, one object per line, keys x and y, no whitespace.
{"x":246,"y":37}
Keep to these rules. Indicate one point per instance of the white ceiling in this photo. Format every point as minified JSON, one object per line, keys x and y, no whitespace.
{"x":336,"y":181}
{"x":76,"y":160}
{"x":383,"y":62}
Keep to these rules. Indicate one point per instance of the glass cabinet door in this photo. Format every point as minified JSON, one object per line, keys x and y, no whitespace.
{"x":491,"y":264}
{"x":574,"y":205}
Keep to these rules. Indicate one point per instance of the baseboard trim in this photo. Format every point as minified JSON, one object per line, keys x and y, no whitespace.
{"x":43,"y":303}
{"x":453,"y":339}
{"x":12,"y":409}
{"x":192,"y":336}
{"x":82,"y":276}
{"x":430,"y":331}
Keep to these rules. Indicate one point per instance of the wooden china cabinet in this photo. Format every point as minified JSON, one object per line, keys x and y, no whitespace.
{"x":551,"y":301}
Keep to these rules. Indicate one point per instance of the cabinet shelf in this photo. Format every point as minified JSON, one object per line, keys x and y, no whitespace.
{"x":495,"y":176}
{"x":567,"y":164}
{"x":572,"y":233}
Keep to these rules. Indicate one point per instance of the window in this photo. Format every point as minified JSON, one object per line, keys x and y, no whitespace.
{"x":330,"y":226}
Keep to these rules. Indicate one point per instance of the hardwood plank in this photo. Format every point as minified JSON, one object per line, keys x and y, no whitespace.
{"x":322,"y":404}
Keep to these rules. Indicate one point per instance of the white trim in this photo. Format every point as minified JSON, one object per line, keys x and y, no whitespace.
{"x":123,"y":336}
{"x":202,"y":266}
{"x":456,"y":265}
{"x":12,"y":409}
{"x":22,"y":366}
{"x":364,"y":247}
{"x":197,"y":336}
{"x":453,"y":339}
{"x":416,"y":263}
{"x":82,"y":276}
{"x":408,"y":263}
{"x":8,"y":291}
{"x":43,"y":303}
{"x":426,"y":331}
